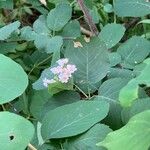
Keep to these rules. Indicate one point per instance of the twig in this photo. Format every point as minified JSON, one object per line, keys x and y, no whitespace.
{"x":31,"y":147}
{"x":81,"y":91}
{"x":88,"y":17}
{"x":132,"y":23}
{"x":86,"y":32}
{"x":40,"y":63}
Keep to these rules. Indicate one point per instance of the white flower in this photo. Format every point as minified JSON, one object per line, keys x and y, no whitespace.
{"x":63,"y":61}
{"x":71,"y":68}
{"x":56,"y":70}
{"x":63,"y":78}
{"x":46,"y":82}
{"x":43,"y":2}
{"x":63,"y":72}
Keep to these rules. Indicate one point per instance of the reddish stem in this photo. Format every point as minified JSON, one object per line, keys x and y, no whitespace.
{"x":88,"y":17}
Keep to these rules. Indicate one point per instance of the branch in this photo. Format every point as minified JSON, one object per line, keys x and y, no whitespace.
{"x":88,"y":17}
{"x":31,"y":147}
{"x":86,"y":32}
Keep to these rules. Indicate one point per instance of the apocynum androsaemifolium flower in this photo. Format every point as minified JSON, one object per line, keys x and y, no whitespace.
{"x":62,"y":72}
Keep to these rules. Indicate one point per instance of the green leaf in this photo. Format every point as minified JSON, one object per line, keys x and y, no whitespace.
{"x":60,"y":99}
{"x":57,"y":87}
{"x":7,"y":30}
{"x":88,"y":140}
{"x":108,"y":8}
{"x":15,"y":131}
{"x":134,"y":135}
{"x":38,"y":99}
{"x":137,"y":107}
{"x":132,"y":8}
{"x":114,"y":58}
{"x":58,"y":1}
{"x":95,"y":15}
{"x":134,"y":50}
{"x":8,"y":47}
{"x":6,"y":4}
{"x":48,"y":44}
{"x":72,"y":29}
{"x":109,"y":91}
{"x":38,"y":85}
{"x":111,"y":34}
{"x":27,"y":33}
{"x":40,"y":26}
{"x":59,"y":16}
{"x":121,"y":73}
{"x":73,"y":119}
{"x":54,"y":44}
{"x":145,"y":21}
{"x":129,"y":93}
{"x":91,"y":61}
{"x":13,"y":80}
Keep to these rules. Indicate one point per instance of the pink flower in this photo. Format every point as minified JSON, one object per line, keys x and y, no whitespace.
{"x":66,"y":72}
{"x":63,"y":72}
{"x":71,"y":68}
{"x":46,"y":82}
{"x":63,"y":78}
{"x":56,"y":70}
{"x":63,"y":61}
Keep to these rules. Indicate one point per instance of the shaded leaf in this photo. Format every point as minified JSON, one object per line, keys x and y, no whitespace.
{"x":111,"y":34}
{"x":59,"y":16}
{"x":136,"y":131}
{"x":73,"y":119}
{"x":88,"y":140}
{"x":129,"y":93}
{"x":134,"y":50}
{"x":7,"y":30}
{"x":132,"y":8}
{"x":91,"y":61}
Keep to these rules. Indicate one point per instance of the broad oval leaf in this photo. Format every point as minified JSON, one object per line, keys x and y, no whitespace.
{"x":129,"y":93}
{"x":88,"y":140}
{"x":72,"y":29}
{"x":15,"y":131}
{"x":42,"y":101}
{"x":13,"y":80}
{"x":111,"y":34}
{"x":132,"y":8}
{"x":109,"y":91}
{"x":38,"y":85}
{"x":73,"y":119}
{"x":114,"y":58}
{"x":134,"y":135}
{"x":137,"y":107}
{"x":6,"y":31}
{"x":135,"y":50}
{"x":54,"y":44}
{"x":91,"y":60}
{"x":59,"y":16}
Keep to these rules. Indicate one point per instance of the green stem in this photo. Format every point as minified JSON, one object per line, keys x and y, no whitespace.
{"x":3,"y":107}
{"x":115,"y":17}
{"x":81,"y":91}
{"x":40,"y":63}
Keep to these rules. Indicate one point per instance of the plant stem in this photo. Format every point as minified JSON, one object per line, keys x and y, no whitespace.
{"x":31,"y":147}
{"x":81,"y":91}
{"x":3,"y":107}
{"x":115,"y":18}
{"x":40,"y":63}
{"x":88,"y":17}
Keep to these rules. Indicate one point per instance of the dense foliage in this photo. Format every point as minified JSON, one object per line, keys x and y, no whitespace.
{"x":75,"y":74}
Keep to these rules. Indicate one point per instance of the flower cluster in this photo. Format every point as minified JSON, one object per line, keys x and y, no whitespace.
{"x":63,"y":72}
